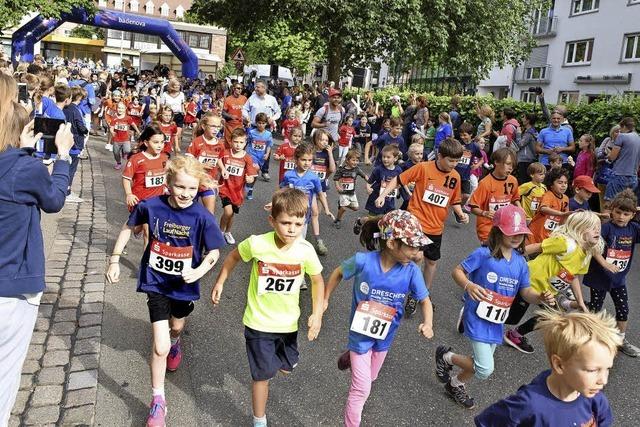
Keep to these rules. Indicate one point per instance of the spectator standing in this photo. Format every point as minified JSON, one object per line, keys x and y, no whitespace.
{"x":555,"y":139}
{"x":603,"y":166}
{"x":626,"y":154}
{"x":527,"y":150}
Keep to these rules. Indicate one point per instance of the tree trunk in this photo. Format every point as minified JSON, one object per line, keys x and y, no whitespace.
{"x":334,"y":52}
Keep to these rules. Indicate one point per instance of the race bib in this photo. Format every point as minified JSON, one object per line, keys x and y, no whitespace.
{"x":154,"y":179}
{"x":173,"y":260}
{"x":234,"y":169}
{"x":289,"y":164}
{"x":121,"y":127}
{"x":347,"y":184}
{"x":619,"y":258}
{"x":562,"y":281}
{"x":259,"y":145}
{"x":535,"y":204}
{"x":280,"y":279}
{"x":465,"y":160}
{"x":373,"y":319}
{"x":320,"y":170}
{"x":494,"y":205}
{"x":494,"y":308}
{"x":206,"y":160}
{"x":392,"y":194}
{"x":437,"y":196}
{"x":551,"y":223}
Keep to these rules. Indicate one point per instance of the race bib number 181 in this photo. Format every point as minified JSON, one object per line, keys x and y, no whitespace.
{"x":373,"y":319}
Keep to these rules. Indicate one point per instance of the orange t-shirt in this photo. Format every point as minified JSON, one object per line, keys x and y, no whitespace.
{"x":434,"y":192}
{"x":542,"y":224}
{"x":492,"y":194}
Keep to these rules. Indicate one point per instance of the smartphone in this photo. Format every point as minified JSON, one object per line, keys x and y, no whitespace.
{"x":48,"y":127}
{"x":23,"y":95}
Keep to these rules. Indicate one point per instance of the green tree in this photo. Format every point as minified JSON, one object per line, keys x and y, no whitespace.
{"x":12,"y":11}
{"x":465,"y":36}
{"x":87,"y":32}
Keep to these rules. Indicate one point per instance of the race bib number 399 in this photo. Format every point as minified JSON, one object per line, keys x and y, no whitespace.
{"x":279,"y":278}
{"x":373,"y":319}
{"x":494,"y":308}
{"x":173,"y":260}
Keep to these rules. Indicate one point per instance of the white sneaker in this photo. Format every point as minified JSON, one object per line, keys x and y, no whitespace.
{"x":229,"y":238}
{"x":108,"y":147}
{"x":73,"y":198}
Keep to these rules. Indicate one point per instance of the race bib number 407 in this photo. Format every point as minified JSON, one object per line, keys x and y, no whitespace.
{"x":437,"y":196}
{"x":173,"y":260}
{"x":373,"y":319}
{"x":281,"y":279}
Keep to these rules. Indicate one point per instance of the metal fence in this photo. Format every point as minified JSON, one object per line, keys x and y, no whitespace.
{"x":421,"y":78}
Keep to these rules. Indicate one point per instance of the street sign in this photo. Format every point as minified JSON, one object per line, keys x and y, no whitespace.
{"x":238,"y":55}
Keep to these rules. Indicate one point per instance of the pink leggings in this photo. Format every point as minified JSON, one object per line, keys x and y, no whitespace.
{"x":364,"y":371}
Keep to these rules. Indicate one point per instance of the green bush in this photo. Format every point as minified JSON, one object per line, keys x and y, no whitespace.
{"x":596,"y":118}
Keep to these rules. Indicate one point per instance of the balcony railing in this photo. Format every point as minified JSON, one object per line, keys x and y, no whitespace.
{"x":533,"y":75}
{"x":545,"y":27}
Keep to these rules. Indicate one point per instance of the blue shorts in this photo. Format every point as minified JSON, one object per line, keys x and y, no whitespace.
{"x":617,"y":183}
{"x":483,"y":359}
{"x":270,"y":352}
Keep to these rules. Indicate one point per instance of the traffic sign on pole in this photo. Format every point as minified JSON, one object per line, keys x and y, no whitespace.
{"x":238,"y":55}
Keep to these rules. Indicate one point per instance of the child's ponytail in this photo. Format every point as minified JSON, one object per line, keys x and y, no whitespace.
{"x":370,"y":234}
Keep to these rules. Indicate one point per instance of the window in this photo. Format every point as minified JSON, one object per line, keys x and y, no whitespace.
{"x":149,"y":8}
{"x":164,"y":9}
{"x":568,"y":97}
{"x":578,"y":52}
{"x":527,"y":96}
{"x":179,"y":12}
{"x":134,"y":5}
{"x":102,"y":3}
{"x":631,"y":50}
{"x":204,"y":41}
{"x":584,"y":6}
{"x":535,"y":73}
{"x":118,"y":4}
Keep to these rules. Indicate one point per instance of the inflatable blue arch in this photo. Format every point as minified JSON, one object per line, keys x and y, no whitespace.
{"x":24,"y":39}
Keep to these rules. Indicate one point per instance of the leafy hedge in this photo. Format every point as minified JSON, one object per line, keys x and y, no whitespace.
{"x":596,"y":118}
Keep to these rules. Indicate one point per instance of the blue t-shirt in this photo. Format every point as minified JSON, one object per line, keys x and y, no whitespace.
{"x":498,"y":275}
{"x":387,"y":139}
{"x":308,"y":183}
{"x":257,"y":144}
{"x":370,"y":283}
{"x":551,"y":138}
{"x":378,"y":179}
{"x":574,"y":205}
{"x":442,"y":132}
{"x":620,"y":243}
{"x":533,"y":405}
{"x":470,"y":151}
{"x":170,"y":227}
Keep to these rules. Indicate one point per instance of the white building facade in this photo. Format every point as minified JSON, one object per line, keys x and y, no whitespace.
{"x":586,"y":50}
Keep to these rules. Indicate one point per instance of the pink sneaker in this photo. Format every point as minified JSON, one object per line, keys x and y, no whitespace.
{"x":118,"y":166}
{"x":157,"y":412}
{"x":175,"y":357}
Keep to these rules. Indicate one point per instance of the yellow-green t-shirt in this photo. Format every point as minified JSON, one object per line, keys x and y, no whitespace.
{"x":530,"y":197}
{"x":274,"y":286}
{"x":561,"y":259}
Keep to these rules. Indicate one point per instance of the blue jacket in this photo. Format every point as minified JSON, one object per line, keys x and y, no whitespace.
{"x":74,"y":116}
{"x":90,"y":100}
{"x":26,"y":188}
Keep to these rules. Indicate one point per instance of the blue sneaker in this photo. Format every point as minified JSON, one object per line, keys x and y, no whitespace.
{"x":250,"y":194}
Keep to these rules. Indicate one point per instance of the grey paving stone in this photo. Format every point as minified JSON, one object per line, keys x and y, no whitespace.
{"x":86,"y":346}
{"x":98,"y":256}
{"x":90,"y":319}
{"x":71,"y":293}
{"x":35,"y":351}
{"x":75,"y":269}
{"x":95,"y":307}
{"x":89,"y":332}
{"x":27,"y":381}
{"x":83,"y":379}
{"x":55,"y":358}
{"x":66,"y":315}
{"x":49,"y":298}
{"x":81,"y":397}
{"x":59,"y":342}
{"x":42,"y":415}
{"x":94,"y":287}
{"x":74,"y":276}
{"x":72,"y":284}
{"x":30,"y":366}
{"x":82,"y":415}
{"x":42,"y":325}
{"x":63,"y":328}
{"x":94,"y":278}
{"x":21,"y":402}
{"x":52,"y":288}
{"x":14,"y":421}
{"x":44,"y":395}
{"x":38,"y":337}
{"x":93,"y":297}
{"x":85,"y":362}
{"x":51,"y":376}
{"x":45,"y":310}
{"x":69,"y":301}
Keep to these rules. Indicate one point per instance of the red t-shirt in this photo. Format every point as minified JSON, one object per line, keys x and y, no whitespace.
{"x":169,"y":131}
{"x":208,"y":154}
{"x":238,"y":168}
{"x":192,"y":107}
{"x":287,"y":125}
{"x":289,"y":163}
{"x":147,"y":175}
{"x":135,"y":111}
{"x":121,"y":126}
{"x":346,"y":134}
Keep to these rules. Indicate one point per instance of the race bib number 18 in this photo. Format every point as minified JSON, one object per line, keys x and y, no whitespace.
{"x":373,"y":319}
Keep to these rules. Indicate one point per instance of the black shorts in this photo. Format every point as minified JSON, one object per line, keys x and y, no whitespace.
{"x":269,"y":353}
{"x":161,"y":307}
{"x":432,"y":251}
{"x":226,"y":202}
{"x":179,"y":119}
{"x":465,"y":186}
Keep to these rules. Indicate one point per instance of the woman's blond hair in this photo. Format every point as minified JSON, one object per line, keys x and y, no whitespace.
{"x":564,"y":334}
{"x":192,"y":167}
{"x":486,"y":111}
{"x":8,"y":96}
{"x":575,"y":227}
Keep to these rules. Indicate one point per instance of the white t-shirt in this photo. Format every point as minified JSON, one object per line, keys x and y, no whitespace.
{"x":174,"y":103}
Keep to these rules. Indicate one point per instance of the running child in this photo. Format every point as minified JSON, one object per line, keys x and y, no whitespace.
{"x":285,"y":152}
{"x":437,"y":187}
{"x":191,"y":110}
{"x":110,"y":107}
{"x":379,"y":179}
{"x":363,"y":134}
{"x":169,"y":129}
{"x":470,"y":151}
{"x":323,"y":165}
{"x":346,"y":132}
{"x":580,"y":348}
{"x":563,"y":258}
{"x":280,"y":259}
{"x":496,"y":190}
{"x":620,"y":235}
{"x":345,"y":182}
{"x":120,"y":129}
{"x":491,"y":277}
{"x":289,"y":123}
{"x":444,"y":130}
{"x":238,"y":171}
{"x":382,"y":278}
{"x":259,"y":146}
{"x":531,"y":192}
{"x":415,"y":155}
{"x":554,"y":206}
{"x":393,"y":137}
{"x":171,"y":266}
{"x":135,"y":110}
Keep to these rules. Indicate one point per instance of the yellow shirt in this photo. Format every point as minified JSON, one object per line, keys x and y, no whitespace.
{"x":274,"y":286}
{"x":554,"y":269}
{"x":530,"y":196}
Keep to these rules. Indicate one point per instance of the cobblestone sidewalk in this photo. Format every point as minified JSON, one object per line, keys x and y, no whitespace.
{"x":60,"y":376}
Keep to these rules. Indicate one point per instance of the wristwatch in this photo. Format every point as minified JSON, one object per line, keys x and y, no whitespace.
{"x":64,"y":157}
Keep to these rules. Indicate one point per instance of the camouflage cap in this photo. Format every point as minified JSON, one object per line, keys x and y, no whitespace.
{"x":402,"y":225}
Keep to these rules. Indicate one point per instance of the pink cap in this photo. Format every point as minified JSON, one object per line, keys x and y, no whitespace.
{"x":334,"y":92}
{"x":511,"y":220}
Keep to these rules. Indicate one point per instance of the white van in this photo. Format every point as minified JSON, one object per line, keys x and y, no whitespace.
{"x":263,"y":72}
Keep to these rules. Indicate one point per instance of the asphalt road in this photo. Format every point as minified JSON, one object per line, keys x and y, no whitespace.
{"x":212,"y":387}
